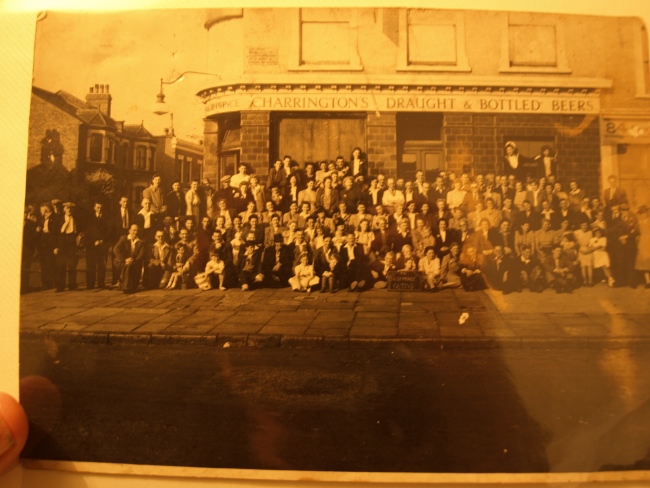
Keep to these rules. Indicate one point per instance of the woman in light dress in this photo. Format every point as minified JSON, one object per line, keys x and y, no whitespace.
{"x":583,"y":238}
{"x":304,"y":276}
{"x":598,"y":244}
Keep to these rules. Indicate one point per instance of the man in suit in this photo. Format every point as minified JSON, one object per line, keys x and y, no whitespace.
{"x":226,"y":192}
{"x":155,"y":195}
{"x":557,"y":268}
{"x":206,"y":194}
{"x":500,"y":271}
{"x":97,"y":243}
{"x":503,"y":236}
{"x":67,"y":258}
{"x":614,"y":195}
{"x":354,"y":260}
{"x":193,"y":201}
{"x":474,"y":197}
{"x":248,"y":266}
{"x":148,"y":221}
{"x":121,"y":222}
{"x":159,"y":263}
{"x":322,"y":255}
{"x":273,"y":230}
{"x":528,"y":214}
{"x":439,"y":191}
{"x":48,"y":246}
{"x":176,"y":205}
{"x":276,"y":264}
{"x":129,"y":259}
{"x":258,"y":192}
{"x":383,"y":240}
{"x":444,"y":237}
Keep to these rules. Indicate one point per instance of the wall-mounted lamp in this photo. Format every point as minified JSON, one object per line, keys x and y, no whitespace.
{"x":160,"y":107}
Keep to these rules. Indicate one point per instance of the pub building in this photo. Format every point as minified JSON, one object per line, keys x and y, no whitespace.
{"x":431,"y":90}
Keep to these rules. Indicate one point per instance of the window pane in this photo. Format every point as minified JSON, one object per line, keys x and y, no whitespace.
{"x":325,"y":43}
{"x":432,"y":44}
{"x":96,"y":147}
{"x":532,"y":45}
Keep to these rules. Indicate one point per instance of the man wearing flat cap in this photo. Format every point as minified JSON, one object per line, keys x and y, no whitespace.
{"x":226,"y":192}
{"x":67,"y":250}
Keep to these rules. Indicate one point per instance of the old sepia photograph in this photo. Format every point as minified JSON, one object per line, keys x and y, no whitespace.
{"x":386,"y":240}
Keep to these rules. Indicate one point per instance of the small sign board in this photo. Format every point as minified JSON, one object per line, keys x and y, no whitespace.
{"x":405,"y":280}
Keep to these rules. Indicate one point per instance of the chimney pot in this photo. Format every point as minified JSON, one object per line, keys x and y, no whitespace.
{"x":106,"y":88}
{"x":91,"y":89}
{"x":96,"y":87}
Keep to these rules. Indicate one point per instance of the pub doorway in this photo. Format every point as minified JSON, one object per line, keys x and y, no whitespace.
{"x":419,"y":145}
{"x":314,"y":137}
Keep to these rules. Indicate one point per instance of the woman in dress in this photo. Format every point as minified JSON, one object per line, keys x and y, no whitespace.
{"x":304,"y":277}
{"x":642,"y":262}
{"x":583,"y":238}
{"x":365,"y":236}
{"x":429,"y":266}
{"x":598,"y":245}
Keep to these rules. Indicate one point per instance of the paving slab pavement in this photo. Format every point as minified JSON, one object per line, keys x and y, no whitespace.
{"x":589,"y":317}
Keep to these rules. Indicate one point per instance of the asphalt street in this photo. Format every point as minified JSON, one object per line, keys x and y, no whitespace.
{"x":399,"y":408}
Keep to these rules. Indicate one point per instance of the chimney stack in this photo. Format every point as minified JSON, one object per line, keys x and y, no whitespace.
{"x":100,"y":98}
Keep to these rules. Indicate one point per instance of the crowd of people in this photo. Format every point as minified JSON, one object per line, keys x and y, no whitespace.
{"x":330,"y":227}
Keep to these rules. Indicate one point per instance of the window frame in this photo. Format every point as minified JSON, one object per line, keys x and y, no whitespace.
{"x":462,"y":61}
{"x":523,"y":19}
{"x":295,"y":58}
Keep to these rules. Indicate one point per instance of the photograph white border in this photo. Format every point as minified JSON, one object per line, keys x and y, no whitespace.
{"x":17,"y":24}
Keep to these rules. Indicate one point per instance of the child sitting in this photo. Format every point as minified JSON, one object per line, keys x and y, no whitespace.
{"x":331,"y":276}
{"x":178,"y":266}
{"x":214,"y":271}
{"x":429,"y":266}
{"x":304,"y":277}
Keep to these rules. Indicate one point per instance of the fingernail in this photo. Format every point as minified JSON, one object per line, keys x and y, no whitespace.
{"x":6,"y":439}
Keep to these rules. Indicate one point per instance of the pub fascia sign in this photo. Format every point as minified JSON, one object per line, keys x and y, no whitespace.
{"x":408,"y":102}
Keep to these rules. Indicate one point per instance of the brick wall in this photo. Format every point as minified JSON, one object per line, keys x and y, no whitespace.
{"x":45,"y":116}
{"x":255,"y":133}
{"x":381,"y":138}
{"x":477,"y":140}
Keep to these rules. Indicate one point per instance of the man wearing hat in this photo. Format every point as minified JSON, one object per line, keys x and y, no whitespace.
{"x":206,"y":194}
{"x":276,"y":264}
{"x":57,"y":207}
{"x":226,"y":192}
{"x":248,"y":267}
{"x":67,"y":250}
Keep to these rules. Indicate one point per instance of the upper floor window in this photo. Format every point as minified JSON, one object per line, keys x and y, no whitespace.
{"x":325,"y":38}
{"x":533,"y":43}
{"x":152,"y":159}
{"x":432,"y":40}
{"x":141,"y":157}
{"x":108,"y":151}
{"x":96,"y":147}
